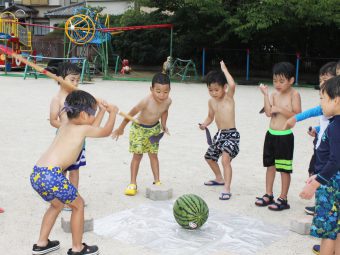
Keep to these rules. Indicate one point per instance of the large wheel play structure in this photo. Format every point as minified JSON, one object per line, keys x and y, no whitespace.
{"x":80,"y":29}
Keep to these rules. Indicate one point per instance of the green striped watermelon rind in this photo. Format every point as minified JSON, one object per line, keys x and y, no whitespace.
{"x":190,"y":211}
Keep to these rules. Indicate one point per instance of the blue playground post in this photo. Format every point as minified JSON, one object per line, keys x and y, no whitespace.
{"x":248,"y":60}
{"x":203,"y":61}
{"x":297,"y":68}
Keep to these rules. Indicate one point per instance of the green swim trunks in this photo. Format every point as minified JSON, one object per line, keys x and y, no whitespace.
{"x":139,"y":138}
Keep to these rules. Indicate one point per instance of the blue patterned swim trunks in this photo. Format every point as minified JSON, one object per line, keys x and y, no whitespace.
{"x":326,"y":222}
{"x":50,"y":183}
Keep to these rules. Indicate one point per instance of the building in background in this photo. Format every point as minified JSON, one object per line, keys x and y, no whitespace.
{"x":50,"y":13}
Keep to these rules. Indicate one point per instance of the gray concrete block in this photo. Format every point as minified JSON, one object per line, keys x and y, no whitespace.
{"x":301,"y":225}
{"x":66,"y":224}
{"x":158,"y":192}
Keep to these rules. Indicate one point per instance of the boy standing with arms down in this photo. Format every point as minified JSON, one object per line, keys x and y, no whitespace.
{"x":326,"y":181}
{"x":47,"y":178}
{"x":151,"y":109}
{"x":221,"y":107}
{"x":278,"y":149}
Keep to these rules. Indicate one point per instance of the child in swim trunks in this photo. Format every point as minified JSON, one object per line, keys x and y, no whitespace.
{"x":71,"y":73}
{"x":221,"y":107}
{"x":278,"y":148}
{"x":325,"y":183}
{"x":152,"y":118}
{"x":47,"y":178}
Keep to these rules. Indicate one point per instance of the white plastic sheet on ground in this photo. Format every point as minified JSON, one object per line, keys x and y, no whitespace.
{"x":154,"y":227}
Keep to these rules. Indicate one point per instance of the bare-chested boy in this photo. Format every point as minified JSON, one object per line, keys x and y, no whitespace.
{"x":71,"y":73}
{"x":143,"y":136}
{"x":278,"y":149}
{"x":226,"y":141}
{"x":47,"y":177}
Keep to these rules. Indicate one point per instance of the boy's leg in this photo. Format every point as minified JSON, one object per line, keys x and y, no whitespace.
{"x":136,"y":159}
{"x":154,"y":162}
{"x":77,"y":223}
{"x":48,"y":221}
{"x":337,"y":245}
{"x":74,"y":177}
{"x":327,"y":247}
{"x":285,"y":183}
{"x":226,"y":163}
{"x":268,"y":197}
{"x":270,"y":177}
{"x":216,"y":169}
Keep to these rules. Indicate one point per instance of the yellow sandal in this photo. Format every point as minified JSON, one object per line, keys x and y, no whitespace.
{"x":131,"y":190}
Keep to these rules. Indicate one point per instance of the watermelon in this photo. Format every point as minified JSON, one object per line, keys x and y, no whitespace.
{"x":190,"y":211}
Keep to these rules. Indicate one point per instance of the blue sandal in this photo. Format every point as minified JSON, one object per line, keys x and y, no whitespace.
{"x":225,"y":196}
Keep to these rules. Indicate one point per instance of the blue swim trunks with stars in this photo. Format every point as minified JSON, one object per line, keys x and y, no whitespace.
{"x":50,"y":183}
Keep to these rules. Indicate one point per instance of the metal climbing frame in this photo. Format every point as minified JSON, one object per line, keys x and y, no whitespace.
{"x":183,"y":68}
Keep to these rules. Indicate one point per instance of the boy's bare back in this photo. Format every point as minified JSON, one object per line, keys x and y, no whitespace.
{"x":65,"y":147}
{"x":69,"y":140}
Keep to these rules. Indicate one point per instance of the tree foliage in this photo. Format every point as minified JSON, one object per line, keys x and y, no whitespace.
{"x":307,"y":26}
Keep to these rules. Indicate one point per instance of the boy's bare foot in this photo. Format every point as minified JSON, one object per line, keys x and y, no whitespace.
{"x":2,"y":210}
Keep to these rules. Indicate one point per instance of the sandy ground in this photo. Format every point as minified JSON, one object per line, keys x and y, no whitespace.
{"x":26,"y":133}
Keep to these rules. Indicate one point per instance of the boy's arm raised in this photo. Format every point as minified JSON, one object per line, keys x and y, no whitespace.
{"x":93,"y":131}
{"x":267,"y":104}
{"x":99,"y":117}
{"x":230,"y":79}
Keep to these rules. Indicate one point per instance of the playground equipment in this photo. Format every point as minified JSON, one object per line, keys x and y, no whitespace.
{"x":185,"y":69}
{"x":43,"y":62}
{"x":88,"y":36}
{"x":86,"y":40}
{"x":16,"y":37}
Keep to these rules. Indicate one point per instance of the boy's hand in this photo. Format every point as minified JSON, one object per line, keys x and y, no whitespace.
{"x":116,"y":133}
{"x":310,"y":188}
{"x":112,"y":108}
{"x":202,"y":126}
{"x":166,"y":130}
{"x":223,"y":66}
{"x":264,"y":89}
{"x":102,"y":106}
{"x":312,"y":132}
{"x":290,"y":123}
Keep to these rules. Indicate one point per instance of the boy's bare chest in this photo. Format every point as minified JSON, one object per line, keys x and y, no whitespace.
{"x":154,"y":110}
{"x":284,"y":101}
{"x":222,"y":106}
